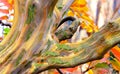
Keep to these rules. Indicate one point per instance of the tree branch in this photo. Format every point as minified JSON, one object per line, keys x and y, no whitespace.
{"x":91,"y":49}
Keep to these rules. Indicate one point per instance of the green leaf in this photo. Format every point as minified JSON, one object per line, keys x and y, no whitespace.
{"x":6,"y":30}
{"x":102,"y":65}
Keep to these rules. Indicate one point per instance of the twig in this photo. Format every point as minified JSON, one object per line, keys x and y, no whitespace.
{"x":60,"y":72}
{"x":87,"y":69}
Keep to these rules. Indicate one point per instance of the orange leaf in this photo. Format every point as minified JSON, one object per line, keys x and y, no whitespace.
{"x":3,"y":17}
{"x":80,"y":3}
{"x":116,"y":52}
{"x":10,"y":1}
{"x":64,"y":41}
{"x":70,"y":13}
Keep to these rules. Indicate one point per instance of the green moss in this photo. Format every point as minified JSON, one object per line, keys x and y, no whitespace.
{"x":48,"y":44}
{"x":28,"y":34}
{"x":76,"y":49}
{"x":55,"y":61}
{"x":37,"y":65}
{"x":63,"y":47}
{"x":31,"y":13}
{"x":20,"y":57}
{"x":50,"y":53}
{"x":65,"y":34}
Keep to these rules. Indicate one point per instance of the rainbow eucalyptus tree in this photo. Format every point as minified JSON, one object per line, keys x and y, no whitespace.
{"x":32,"y":45}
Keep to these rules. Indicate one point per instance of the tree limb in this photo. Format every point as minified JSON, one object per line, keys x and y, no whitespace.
{"x":91,"y":49}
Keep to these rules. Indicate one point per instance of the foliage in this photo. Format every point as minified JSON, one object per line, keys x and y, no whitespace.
{"x":6,"y":30}
{"x":80,"y":9}
{"x":102,"y":65}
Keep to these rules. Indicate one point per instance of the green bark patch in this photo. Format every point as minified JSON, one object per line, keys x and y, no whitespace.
{"x":63,"y":47}
{"x":55,"y":61}
{"x":50,"y":53}
{"x":37,"y":65}
{"x":31,"y":13}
